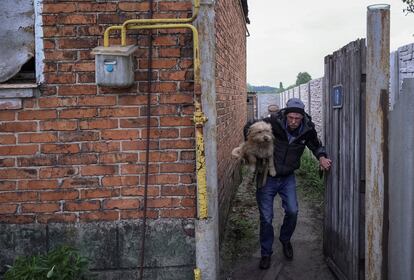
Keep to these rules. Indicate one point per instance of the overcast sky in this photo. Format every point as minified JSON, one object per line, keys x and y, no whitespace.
{"x":288,"y":37}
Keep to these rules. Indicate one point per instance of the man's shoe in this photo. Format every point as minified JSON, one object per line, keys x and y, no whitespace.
{"x":287,"y":250}
{"x":264,"y":262}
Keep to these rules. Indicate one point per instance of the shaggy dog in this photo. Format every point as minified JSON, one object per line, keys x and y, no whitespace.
{"x":259,"y":146}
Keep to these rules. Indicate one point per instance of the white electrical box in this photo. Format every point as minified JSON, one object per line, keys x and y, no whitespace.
{"x":114,"y":66}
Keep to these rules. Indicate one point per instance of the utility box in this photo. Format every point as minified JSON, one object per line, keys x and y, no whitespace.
{"x":114,"y":66}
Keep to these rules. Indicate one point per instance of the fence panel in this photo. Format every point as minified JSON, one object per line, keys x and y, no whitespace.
{"x":401,"y":176}
{"x":344,"y":89}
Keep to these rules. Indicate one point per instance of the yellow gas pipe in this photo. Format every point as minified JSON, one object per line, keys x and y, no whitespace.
{"x":199,"y":118}
{"x":124,"y":27}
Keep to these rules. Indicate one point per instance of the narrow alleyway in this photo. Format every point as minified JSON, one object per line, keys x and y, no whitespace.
{"x":308,"y":262}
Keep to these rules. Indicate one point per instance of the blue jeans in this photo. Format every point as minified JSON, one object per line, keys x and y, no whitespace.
{"x":286,"y":188}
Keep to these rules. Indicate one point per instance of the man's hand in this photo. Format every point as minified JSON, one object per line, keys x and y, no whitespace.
{"x":325,"y":163}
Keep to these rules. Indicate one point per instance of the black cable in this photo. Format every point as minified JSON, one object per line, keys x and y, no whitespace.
{"x":149,"y":81}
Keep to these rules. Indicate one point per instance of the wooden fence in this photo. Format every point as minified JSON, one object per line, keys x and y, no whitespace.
{"x":344,"y":123}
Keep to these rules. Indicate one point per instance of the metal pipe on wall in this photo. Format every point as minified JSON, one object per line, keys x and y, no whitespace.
{"x":376,"y":143}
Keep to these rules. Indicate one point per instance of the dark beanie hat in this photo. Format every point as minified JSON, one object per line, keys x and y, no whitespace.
{"x":295,"y":105}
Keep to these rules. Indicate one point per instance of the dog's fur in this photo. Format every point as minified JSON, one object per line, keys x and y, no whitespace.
{"x":259,"y":145}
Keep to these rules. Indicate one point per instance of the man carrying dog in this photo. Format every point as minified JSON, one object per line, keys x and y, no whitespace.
{"x":293,"y":131}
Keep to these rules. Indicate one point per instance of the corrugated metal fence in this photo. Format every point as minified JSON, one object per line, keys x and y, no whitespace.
{"x":344,"y":102}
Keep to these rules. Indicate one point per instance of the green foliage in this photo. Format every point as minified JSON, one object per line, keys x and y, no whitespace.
{"x":410,"y":6}
{"x":302,"y":78}
{"x":309,"y":179}
{"x":62,"y":263}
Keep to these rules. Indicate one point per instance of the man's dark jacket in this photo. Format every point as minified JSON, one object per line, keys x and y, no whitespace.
{"x":287,"y":155}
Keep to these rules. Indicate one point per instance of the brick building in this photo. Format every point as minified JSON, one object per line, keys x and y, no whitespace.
{"x":73,"y":154}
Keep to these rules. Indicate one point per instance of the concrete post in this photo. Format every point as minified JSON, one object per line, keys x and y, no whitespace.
{"x":206,"y":231}
{"x":376,"y":203}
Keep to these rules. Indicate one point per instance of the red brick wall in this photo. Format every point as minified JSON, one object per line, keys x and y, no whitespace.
{"x":231,"y":94}
{"x":76,"y":153}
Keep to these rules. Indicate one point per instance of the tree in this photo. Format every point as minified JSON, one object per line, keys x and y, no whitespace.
{"x":303,"y":77}
{"x":410,"y":6}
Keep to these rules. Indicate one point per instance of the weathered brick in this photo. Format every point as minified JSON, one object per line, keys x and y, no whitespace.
{"x":176,"y":99}
{"x":17,"y":219}
{"x":40,"y":160}
{"x":7,"y":139}
{"x":7,"y":162}
{"x":77,"y":19}
{"x":111,"y":181}
{"x":89,"y":205}
{"x":162,"y":133}
{"x":78,"y":113}
{"x":97,"y":100}
{"x":18,"y":150}
{"x":121,"y":204}
{"x":139,"y":191}
{"x":160,"y":179}
{"x":7,"y":116}
{"x":60,"y":78}
{"x":71,"y":183}
{"x":118,"y":134}
{"x":175,"y":121}
{"x":7,"y":185}
{"x":79,"y":159}
{"x":96,"y":7}
{"x":40,"y":207}
{"x":54,"y":102}
{"x":98,"y":124}
{"x":117,"y":157}
{"x":175,"y":6}
{"x":37,"y":184}
{"x":57,"y":172}
{"x":37,"y":137}
{"x":37,"y":115}
{"x":134,"y":7}
{"x":99,"y":193}
{"x":92,"y":170}
{"x":138,"y":145}
{"x":119,"y":112}
{"x":59,"y":195}
{"x":177,"y":168}
{"x":163,"y":202}
{"x":78,"y":136}
{"x":178,"y":213}
{"x":59,"y":125}
{"x":18,"y":197}
{"x":56,"y":8}
{"x":18,"y":126}
{"x":60,"y":148}
{"x":77,"y":90}
{"x":8,"y":208}
{"x":159,"y":156}
{"x":177,"y":144}
{"x":100,"y":147}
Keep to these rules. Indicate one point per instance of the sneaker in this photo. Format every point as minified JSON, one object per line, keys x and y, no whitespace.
{"x":264,"y":262}
{"x":287,"y":250}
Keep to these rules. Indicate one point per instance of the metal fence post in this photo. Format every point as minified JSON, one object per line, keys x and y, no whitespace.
{"x":376,"y":203}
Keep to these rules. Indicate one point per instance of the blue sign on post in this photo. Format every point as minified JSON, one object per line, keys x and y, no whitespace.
{"x":337,"y":96}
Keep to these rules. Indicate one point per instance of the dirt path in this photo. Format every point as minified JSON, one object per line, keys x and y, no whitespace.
{"x":308,"y":262}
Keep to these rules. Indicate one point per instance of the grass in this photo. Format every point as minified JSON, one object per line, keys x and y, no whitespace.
{"x":241,"y":235}
{"x":308,"y":179}
{"x":62,"y":263}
